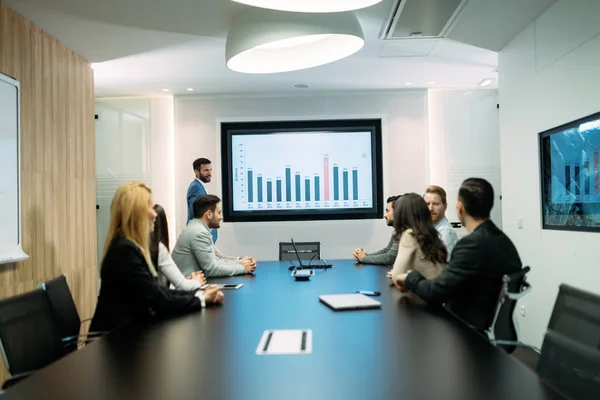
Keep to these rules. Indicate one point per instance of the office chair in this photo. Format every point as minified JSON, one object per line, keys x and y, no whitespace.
{"x":502,"y":331}
{"x":576,"y":315}
{"x":65,"y":312}
{"x":569,"y":366}
{"x":29,"y":335}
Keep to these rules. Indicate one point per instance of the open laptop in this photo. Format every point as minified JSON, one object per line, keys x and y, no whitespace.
{"x":352,"y":301}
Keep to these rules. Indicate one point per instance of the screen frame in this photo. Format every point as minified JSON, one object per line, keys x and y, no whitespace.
{"x":373,"y":125}
{"x":16,"y":253}
{"x":546,"y":191}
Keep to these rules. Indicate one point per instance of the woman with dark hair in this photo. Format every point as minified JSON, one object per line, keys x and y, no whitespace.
{"x":420,"y":248}
{"x":161,"y":256}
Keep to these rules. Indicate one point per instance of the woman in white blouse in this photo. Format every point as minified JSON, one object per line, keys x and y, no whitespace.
{"x":161,"y":256}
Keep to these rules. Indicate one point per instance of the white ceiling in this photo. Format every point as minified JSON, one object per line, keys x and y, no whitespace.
{"x":140,"y":47}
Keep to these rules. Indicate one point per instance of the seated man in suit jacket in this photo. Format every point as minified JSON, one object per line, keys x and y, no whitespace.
{"x":470,"y":283}
{"x":387,"y":255}
{"x":203,"y":172}
{"x":195,"y":250}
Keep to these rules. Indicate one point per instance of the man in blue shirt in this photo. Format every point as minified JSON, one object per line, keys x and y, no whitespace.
{"x":203,"y":172}
{"x":435,"y":197}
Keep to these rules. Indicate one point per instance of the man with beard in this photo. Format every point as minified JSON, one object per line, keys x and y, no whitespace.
{"x":435,"y":197}
{"x":203,"y":172}
{"x":195,"y":250}
{"x":470,"y":283}
{"x":387,"y":255}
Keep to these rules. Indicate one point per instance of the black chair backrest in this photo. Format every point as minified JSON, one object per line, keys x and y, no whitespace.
{"x":576,"y":315}
{"x":308,"y":251}
{"x":28,"y":332}
{"x":570,"y":367}
{"x":505,"y":325}
{"x":63,"y":306}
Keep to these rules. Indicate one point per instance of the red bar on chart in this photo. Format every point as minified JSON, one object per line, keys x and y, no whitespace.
{"x":326,"y":178}
{"x":596,"y":178}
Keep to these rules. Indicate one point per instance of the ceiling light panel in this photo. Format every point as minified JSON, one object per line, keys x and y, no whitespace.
{"x":311,"y":6}
{"x":266,"y":41}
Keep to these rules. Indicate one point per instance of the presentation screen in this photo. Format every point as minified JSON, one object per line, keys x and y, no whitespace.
{"x":569,"y":170}
{"x":301,"y":170}
{"x":10,"y":170}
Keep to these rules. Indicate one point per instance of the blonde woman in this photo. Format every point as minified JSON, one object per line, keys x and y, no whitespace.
{"x":129,"y":289}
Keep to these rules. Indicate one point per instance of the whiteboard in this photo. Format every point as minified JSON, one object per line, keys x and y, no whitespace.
{"x":10,"y":171}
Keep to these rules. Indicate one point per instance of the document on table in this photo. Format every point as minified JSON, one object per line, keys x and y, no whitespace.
{"x":280,"y":342}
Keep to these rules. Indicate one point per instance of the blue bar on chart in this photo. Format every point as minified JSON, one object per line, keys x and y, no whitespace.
{"x":345,"y":174}
{"x":288,"y":183}
{"x":354,"y":184}
{"x":577,"y":180}
{"x":259,"y":187}
{"x":278,"y":184}
{"x":298,"y":186}
{"x":336,"y":183}
{"x":250,"y":186}
{"x":269,"y":190}
{"x":307,"y":188}
{"x":586,"y":166}
{"x":568,"y":177}
{"x":317,"y":188}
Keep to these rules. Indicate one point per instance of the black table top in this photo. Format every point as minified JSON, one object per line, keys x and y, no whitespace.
{"x":403,"y":350}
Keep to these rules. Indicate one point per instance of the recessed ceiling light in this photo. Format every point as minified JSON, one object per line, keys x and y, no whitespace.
{"x":432,"y":83}
{"x":318,"y":6}
{"x":265,"y":41}
{"x":165,"y":90}
{"x":486,"y":82}
{"x":190,"y":89}
{"x":301,"y":86}
{"x":407,"y":83}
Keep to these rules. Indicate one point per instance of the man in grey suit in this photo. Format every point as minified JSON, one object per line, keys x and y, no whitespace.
{"x":387,"y":255}
{"x":195,"y":250}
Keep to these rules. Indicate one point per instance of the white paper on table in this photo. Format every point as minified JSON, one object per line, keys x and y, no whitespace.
{"x":288,"y":341}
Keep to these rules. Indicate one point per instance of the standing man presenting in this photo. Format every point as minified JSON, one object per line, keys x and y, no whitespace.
{"x":203,"y":172}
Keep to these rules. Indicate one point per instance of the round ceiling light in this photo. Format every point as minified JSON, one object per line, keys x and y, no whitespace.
{"x":311,"y":6}
{"x":264,"y":41}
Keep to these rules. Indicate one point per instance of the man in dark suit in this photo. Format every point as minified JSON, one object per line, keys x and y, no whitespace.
{"x":470,"y":283}
{"x":203,"y":172}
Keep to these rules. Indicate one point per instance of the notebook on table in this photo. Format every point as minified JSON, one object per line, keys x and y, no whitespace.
{"x":354,"y":301}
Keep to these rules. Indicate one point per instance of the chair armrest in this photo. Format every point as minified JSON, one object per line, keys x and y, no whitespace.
{"x":517,"y":296}
{"x":515,"y":343}
{"x":14,"y":379}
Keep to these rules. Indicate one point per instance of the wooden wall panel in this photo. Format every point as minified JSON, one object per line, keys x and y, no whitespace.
{"x":57,"y":162}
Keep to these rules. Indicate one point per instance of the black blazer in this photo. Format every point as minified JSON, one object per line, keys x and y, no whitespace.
{"x":470,"y":283}
{"x":129,"y":291}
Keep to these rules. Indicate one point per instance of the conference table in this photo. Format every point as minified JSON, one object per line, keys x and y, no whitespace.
{"x":404,"y":350}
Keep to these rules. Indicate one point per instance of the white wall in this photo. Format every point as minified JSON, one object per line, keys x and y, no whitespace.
{"x":464,"y":142}
{"x":122,"y":153}
{"x":405,"y":161}
{"x":548,"y":76}
{"x":135,"y":141}
{"x":162,"y":139}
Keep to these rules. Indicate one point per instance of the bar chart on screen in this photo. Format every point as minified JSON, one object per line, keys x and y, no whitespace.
{"x":309,"y":170}
{"x":575,"y":169}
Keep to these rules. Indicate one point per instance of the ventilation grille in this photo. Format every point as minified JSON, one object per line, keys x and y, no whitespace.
{"x":421,"y":18}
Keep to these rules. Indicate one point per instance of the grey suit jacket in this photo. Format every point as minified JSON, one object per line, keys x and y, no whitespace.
{"x":385,"y":256}
{"x":195,"y":251}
